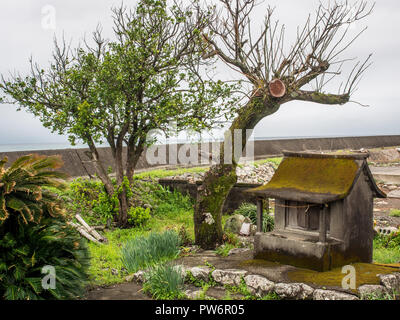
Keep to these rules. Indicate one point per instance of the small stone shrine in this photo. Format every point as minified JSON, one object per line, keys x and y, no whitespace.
{"x":323,"y":211}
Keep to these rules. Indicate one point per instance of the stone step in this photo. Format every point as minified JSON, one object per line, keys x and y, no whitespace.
{"x":394,"y":194}
{"x":388,"y":175}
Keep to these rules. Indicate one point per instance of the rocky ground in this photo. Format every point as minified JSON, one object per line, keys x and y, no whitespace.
{"x":247,"y":173}
{"x":383,"y":209}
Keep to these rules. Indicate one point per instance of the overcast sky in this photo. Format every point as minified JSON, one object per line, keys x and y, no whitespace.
{"x":22,"y":35}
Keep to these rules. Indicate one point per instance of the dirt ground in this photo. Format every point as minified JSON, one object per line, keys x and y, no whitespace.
{"x":123,"y":291}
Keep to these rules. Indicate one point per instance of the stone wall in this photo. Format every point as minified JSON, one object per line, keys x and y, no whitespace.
{"x":77,"y":163}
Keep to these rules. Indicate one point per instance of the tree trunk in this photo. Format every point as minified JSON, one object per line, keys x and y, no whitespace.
{"x":122,"y":195}
{"x":220,"y":179}
{"x":100,"y":171}
{"x":133,"y":154}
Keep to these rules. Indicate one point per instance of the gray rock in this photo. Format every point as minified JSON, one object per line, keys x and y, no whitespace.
{"x":230,"y":277}
{"x":258,"y":285}
{"x":129,"y":278}
{"x":370,"y":289}
{"x":193,"y":294}
{"x":234,"y":223}
{"x":181,"y":269}
{"x":386,"y":230}
{"x":139,"y":276}
{"x":253,"y":230}
{"x":201,"y":273}
{"x":114,"y":272}
{"x":294,"y":290}
{"x":238,"y":250}
{"x":390,"y":281}
{"x":320,"y":294}
{"x":245,"y":230}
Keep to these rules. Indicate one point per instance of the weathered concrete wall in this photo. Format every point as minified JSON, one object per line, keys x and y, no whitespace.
{"x":77,"y":162}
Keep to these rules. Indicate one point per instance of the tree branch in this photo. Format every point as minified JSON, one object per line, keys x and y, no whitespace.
{"x":318,"y":97}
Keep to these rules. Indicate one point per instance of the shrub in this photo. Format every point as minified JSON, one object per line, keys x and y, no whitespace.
{"x":250,"y":210}
{"x":231,"y":238}
{"x":90,"y":199}
{"x":184,"y":237}
{"x":34,"y":233}
{"x":138,"y":216}
{"x":164,"y":282}
{"x":143,"y":252}
{"x":388,"y":241}
{"x":171,"y":202}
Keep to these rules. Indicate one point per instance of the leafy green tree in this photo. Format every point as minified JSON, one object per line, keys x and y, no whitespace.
{"x":118,"y":91}
{"x":274,"y":73}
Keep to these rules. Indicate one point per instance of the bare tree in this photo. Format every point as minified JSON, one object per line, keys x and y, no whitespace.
{"x":275,"y":75}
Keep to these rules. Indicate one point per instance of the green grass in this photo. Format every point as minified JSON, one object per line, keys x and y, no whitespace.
{"x":163,"y":173}
{"x":384,"y":296}
{"x":387,"y":255}
{"x":105,"y":257}
{"x":274,"y":161}
{"x":386,"y":249}
{"x":250,"y":210}
{"x":271,"y":296}
{"x":395,"y":213}
{"x":146,"y":251}
{"x":164,"y":282}
{"x":173,"y":214}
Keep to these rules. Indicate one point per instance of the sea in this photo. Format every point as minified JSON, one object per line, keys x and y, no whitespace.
{"x":66,"y":145}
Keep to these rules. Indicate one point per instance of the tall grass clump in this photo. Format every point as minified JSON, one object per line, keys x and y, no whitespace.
{"x":164,"y":282}
{"x":143,"y":252}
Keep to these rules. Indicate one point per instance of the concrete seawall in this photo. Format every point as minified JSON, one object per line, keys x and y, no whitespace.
{"x":77,"y":162}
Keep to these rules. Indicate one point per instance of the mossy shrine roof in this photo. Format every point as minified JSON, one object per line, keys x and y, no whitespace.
{"x":317,"y":178}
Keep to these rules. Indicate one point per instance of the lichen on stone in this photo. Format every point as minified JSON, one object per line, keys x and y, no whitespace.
{"x":208,"y":218}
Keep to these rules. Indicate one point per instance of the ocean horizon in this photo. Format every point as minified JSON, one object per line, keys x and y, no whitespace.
{"x":61,"y":146}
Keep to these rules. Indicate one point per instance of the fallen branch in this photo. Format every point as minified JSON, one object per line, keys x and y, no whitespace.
{"x":83,"y":232}
{"x":90,"y":230}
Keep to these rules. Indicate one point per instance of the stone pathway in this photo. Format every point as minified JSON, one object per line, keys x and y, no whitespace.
{"x":260,"y":277}
{"x":123,"y":291}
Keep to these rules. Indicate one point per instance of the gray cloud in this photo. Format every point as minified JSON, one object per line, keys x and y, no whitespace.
{"x":22,"y":35}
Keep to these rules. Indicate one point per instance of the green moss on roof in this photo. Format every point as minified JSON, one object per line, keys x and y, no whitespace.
{"x":314,"y":175}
